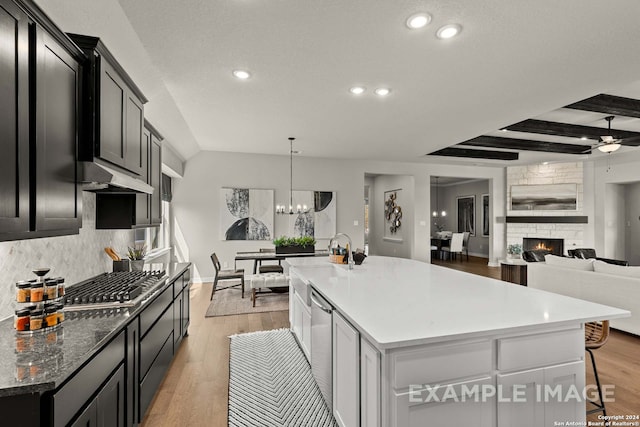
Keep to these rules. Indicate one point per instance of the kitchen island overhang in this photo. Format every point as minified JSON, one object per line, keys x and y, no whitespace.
{"x":433,"y":326}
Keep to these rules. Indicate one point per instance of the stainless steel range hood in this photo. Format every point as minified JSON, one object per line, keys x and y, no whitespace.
{"x":98,"y":177}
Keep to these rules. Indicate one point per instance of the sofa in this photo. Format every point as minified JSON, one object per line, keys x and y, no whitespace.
{"x":591,"y":280}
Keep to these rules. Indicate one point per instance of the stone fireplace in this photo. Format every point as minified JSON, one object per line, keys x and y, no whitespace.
{"x":556,"y":246}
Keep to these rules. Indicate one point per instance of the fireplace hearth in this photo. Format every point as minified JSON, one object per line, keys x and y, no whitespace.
{"x":556,"y":246}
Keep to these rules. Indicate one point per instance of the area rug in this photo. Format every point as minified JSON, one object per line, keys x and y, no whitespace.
{"x":229,"y":302}
{"x":270,"y":383}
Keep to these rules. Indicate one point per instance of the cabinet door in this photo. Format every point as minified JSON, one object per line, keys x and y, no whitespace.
{"x":186,"y":306}
{"x":369,"y":385}
{"x":134,"y":160}
{"x":296,"y":316}
{"x":111,"y":401}
{"x":88,"y":417}
{"x":155,"y":179}
{"x":306,"y":330}
{"x":143,"y":214}
{"x":346,"y":368}
{"x":58,"y":203}
{"x":177,"y":320}
{"x":563,"y":378}
{"x":14,"y":120}
{"x":113,"y":98}
{"x":132,"y":373}
{"x":525,"y":410}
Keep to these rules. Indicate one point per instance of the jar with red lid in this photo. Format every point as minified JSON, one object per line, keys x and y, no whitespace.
{"x":22,"y":320}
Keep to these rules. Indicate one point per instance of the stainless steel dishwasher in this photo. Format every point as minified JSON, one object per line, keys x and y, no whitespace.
{"x":321,"y":345}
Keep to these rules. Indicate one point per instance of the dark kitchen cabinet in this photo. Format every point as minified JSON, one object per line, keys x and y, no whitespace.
{"x":14,"y":120}
{"x":113,"y":129}
{"x":107,"y":408}
{"x":143,"y":205}
{"x":40,"y":104}
{"x":57,"y":195}
{"x":155,"y":179}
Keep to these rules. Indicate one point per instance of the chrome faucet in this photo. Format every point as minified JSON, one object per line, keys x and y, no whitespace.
{"x":349,"y":250}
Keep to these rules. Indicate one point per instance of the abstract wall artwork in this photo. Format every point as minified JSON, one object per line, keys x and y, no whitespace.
{"x":320,"y":220}
{"x":466,"y":214}
{"x":392,"y":215}
{"x":485,"y":215}
{"x":246,"y":214}
{"x":546,"y":197}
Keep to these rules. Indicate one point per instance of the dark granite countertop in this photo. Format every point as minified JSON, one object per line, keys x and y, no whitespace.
{"x":42,"y":361}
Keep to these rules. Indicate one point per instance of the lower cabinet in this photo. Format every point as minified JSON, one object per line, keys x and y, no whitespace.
{"x":346,"y":368}
{"x":301,"y":322}
{"x":107,"y":408}
{"x":370,"y":414}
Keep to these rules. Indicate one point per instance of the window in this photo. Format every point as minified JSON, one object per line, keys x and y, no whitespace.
{"x":156,"y":238}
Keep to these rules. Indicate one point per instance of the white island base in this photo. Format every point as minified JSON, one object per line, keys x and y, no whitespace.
{"x":419,"y":345}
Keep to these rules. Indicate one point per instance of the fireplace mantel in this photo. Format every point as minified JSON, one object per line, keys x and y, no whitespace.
{"x":547,"y":219}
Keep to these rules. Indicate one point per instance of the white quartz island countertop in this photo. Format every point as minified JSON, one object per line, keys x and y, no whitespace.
{"x":398,"y":302}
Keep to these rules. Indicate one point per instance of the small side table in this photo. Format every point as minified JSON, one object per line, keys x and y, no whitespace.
{"x":514,"y":271}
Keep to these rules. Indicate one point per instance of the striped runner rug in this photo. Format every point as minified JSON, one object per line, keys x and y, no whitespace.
{"x":270,"y":383}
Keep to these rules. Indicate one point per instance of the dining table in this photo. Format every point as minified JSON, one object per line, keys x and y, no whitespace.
{"x":440,"y":243}
{"x":270,"y":255}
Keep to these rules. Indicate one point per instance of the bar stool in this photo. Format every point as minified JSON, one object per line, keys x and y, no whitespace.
{"x":595,"y":336}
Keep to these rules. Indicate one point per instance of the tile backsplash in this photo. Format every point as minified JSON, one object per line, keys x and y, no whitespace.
{"x":76,"y":257}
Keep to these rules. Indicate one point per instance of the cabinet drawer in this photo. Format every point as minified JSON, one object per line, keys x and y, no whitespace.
{"x":540,"y":350}
{"x":150,"y":383}
{"x":152,"y":343}
{"x":77,"y":391}
{"x":155,"y":309}
{"x":441,"y":363}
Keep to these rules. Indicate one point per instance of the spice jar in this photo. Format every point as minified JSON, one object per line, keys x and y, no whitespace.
{"x":37,"y":291}
{"x":51,"y":315}
{"x":22,"y":320}
{"x":51,"y":289}
{"x":60,"y":286}
{"x":23,"y":291}
{"x":36,"y":318}
{"x":60,"y":308}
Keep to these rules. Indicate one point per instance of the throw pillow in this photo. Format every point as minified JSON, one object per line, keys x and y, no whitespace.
{"x":618,"y":270}
{"x":575,"y":263}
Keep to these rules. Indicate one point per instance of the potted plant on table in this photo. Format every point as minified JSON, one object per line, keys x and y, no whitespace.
{"x":294,"y":245}
{"x":514,"y":251}
{"x":136,"y":256}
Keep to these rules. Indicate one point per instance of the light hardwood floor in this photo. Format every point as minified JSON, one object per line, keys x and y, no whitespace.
{"x":195,"y":390}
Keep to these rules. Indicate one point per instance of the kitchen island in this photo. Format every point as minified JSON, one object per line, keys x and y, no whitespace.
{"x":99,"y":364}
{"x":416,"y":344}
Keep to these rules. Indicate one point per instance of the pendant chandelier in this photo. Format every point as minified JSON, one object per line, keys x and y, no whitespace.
{"x":436,"y":213}
{"x":282,"y":209}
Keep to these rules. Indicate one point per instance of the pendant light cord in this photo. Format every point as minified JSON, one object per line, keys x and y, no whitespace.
{"x":291,"y":139}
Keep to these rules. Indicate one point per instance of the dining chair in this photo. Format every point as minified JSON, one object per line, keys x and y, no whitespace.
{"x":455,"y":246}
{"x":237,"y":274}
{"x":269,"y":268}
{"x":465,"y":243}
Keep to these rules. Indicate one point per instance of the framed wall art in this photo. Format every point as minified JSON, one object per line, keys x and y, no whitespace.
{"x":466,"y":214}
{"x":486,"y":219}
{"x":320,"y":221}
{"x":393,"y":215}
{"x":545,"y":197}
{"x":246,"y":214}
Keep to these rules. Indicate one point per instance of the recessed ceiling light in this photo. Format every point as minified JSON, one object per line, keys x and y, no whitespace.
{"x":448,"y":31}
{"x":503,"y":130}
{"x":382,"y":91}
{"x":584,"y":138}
{"x":357,"y":90}
{"x":418,"y":20}
{"x":545,"y":163}
{"x":241,"y":74}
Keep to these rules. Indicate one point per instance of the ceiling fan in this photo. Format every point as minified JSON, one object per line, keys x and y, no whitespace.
{"x":609,"y":144}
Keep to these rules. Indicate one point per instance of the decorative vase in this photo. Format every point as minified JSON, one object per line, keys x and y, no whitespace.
{"x":137,"y":264}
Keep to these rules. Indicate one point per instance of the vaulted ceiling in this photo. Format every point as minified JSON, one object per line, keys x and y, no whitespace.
{"x":513,"y":61}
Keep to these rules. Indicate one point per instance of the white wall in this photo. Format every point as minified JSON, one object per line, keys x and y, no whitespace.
{"x":195,"y":199}
{"x":632,"y":223}
{"x":399,"y":244}
{"x":615,"y":221}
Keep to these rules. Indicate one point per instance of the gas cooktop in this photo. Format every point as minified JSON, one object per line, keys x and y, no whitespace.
{"x":117,"y":289}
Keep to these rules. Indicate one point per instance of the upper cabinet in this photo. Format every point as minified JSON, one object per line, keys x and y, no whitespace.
{"x":155,"y":177}
{"x":40,"y":103}
{"x":114,"y":111}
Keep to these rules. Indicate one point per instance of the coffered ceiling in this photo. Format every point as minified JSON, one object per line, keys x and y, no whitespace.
{"x":513,"y":61}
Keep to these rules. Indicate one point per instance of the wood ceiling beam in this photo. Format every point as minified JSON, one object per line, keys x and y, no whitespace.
{"x":609,"y":104}
{"x":526,"y":145}
{"x":569,"y":130}
{"x":475,"y":154}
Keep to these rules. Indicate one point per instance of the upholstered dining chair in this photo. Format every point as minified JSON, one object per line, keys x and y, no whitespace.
{"x":228,"y":275}
{"x":455,"y":247}
{"x":595,"y":336}
{"x":465,"y":244}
